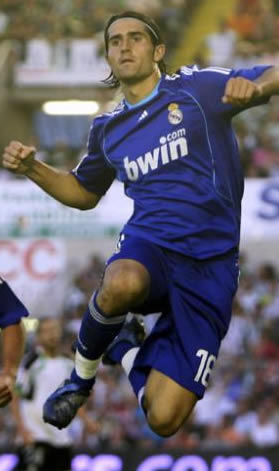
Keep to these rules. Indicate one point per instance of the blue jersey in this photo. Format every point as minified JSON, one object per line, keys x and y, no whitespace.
{"x":11,"y":308}
{"x":177,"y":157}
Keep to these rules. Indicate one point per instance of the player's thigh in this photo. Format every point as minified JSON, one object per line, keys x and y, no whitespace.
{"x":168,"y":404}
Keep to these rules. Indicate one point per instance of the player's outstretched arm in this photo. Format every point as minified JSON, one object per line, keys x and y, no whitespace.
{"x":12,"y":350}
{"x":61,"y":185}
{"x":241,"y":91}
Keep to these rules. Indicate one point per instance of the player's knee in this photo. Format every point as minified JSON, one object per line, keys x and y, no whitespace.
{"x":164,"y":422}
{"x":127,"y":284}
{"x":123,"y":287}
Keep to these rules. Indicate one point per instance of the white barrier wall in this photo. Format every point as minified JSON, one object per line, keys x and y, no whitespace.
{"x":260,"y":210}
{"x":26,"y":211}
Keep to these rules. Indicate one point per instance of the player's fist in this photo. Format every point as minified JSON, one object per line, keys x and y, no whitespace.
{"x":6,"y":389}
{"x":240,"y":91}
{"x":18,"y":158}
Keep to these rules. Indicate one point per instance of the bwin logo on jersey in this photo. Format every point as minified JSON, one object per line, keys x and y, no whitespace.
{"x":172,"y":147}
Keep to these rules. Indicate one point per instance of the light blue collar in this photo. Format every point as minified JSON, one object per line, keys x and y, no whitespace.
{"x":145,"y":100}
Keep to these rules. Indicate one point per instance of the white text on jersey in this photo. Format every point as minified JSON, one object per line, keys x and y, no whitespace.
{"x":172,"y":147}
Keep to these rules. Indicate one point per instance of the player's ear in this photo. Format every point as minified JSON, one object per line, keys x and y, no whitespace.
{"x":159,"y":52}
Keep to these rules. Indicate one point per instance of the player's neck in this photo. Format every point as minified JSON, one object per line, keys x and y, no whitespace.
{"x":138,"y":91}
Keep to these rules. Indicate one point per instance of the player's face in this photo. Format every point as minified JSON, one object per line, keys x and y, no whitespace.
{"x":50,"y":333}
{"x":131,"y":53}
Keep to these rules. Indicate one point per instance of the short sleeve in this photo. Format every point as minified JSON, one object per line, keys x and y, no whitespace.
{"x":94,"y":172}
{"x":209,"y":85}
{"x":11,"y":308}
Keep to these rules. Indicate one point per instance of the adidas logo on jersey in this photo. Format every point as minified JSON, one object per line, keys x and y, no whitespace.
{"x":173,"y":146}
{"x":143,"y":115}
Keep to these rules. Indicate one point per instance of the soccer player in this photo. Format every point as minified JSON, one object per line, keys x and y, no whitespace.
{"x":171,"y":143}
{"x":11,"y":312}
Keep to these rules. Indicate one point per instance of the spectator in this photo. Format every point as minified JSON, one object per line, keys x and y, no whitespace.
{"x":265,"y":431}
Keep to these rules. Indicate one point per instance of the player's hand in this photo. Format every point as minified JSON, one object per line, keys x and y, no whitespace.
{"x":240,"y":91}
{"x":7,"y":383}
{"x":18,"y":158}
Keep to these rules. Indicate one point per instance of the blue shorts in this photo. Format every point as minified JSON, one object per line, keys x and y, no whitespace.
{"x":11,"y":308}
{"x":195,"y":299}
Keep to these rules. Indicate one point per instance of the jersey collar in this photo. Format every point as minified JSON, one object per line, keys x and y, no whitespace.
{"x":145,"y":100}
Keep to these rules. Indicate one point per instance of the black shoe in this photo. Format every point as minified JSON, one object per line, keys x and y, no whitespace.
{"x":133,"y":332}
{"x":61,"y":406}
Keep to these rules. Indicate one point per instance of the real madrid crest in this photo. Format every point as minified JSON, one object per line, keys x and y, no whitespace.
{"x":175,"y":115}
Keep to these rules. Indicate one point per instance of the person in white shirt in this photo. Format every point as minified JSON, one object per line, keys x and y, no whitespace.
{"x":43,"y":447}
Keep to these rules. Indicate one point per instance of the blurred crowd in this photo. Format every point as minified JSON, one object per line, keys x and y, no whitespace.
{"x":241,"y":405}
{"x":68,"y":19}
{"x":248,"y":37}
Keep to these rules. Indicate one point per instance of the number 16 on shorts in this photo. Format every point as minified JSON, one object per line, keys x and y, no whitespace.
{"x":206,"y":366}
